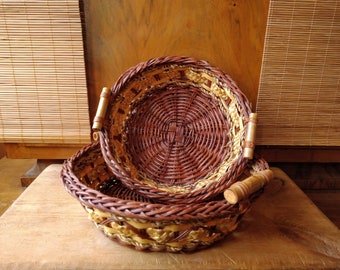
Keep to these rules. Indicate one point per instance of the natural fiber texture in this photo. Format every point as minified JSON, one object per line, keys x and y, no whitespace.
{"x":43,"y":93}
{"x":299,"y":87}
{"x":175,"y":130}
{"x":131,"y":219}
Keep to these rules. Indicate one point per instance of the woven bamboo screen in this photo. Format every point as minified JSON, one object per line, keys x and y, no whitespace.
{"x":299,"y":94}
{"x":43,"y":95}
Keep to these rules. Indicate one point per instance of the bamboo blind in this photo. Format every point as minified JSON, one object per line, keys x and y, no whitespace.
{"x":299,"y":95}
{"x":43,"y":95}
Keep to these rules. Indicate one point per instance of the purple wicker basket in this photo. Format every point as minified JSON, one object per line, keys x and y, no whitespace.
{"x":131,"y":219}
{"x":175,"y":129}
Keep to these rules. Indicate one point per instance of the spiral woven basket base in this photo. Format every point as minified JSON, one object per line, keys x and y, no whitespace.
{"x":136,"y":221}
{"x":175,"y":130}
{"x":184,"y":131}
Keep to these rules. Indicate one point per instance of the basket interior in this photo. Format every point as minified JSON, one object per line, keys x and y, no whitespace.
{"x":176,"y":142}
{"x":92,"y":171}
{"x":177,"y":128}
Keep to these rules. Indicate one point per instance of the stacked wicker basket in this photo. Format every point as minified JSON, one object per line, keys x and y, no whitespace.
{"x":174,"y":137}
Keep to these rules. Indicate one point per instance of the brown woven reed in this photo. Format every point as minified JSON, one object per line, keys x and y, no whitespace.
{"x":174,"y":130}
{"x":133,"y":220}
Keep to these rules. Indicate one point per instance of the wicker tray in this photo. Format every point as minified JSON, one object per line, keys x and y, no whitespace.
{"x":136,"y":221}
{"x":175,"y":129}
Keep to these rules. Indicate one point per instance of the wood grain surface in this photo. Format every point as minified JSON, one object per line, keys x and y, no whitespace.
{"x":46,"y":228}
{"x":120,"y":34}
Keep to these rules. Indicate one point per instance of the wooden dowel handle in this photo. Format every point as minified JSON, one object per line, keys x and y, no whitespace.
{"x":249,"y":144}
{"x":242,"y":189}
{"x":101,"y":111}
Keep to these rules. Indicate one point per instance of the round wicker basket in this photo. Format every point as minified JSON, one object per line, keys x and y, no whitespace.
{"x":174,"y":130}
{"x":136,"y":221}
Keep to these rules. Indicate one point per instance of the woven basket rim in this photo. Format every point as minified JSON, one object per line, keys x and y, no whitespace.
{"x":202,"y":189}
{"x":142,"y":210}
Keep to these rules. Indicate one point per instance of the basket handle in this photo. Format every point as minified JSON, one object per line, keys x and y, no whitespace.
{"x":101,"y":112}
{"x":242,"y":189}
{"x":249,"y":144}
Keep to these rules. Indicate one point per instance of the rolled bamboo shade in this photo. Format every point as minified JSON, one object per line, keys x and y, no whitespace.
{"x":299,"y":94}
{"x":43,"y":94}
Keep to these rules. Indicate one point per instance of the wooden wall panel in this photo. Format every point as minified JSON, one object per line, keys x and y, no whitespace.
{"x":120,"y":34}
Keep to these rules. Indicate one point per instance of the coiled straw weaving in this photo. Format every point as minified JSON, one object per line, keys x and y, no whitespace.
{"x":174,"y":130}
{"x":125,"y":216}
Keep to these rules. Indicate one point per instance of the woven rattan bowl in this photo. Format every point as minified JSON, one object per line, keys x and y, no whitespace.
{"x":174,"y":129}
{"x":133,"y":220}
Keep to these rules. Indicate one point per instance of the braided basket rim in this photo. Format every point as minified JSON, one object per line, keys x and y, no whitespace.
{"x":143,"y":210}
{"x":198,"y":193}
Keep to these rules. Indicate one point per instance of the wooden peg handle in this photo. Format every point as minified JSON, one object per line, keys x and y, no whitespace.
{"x":101,"y":111}
{"x":240,"y":190}
{"x":249,"y":144}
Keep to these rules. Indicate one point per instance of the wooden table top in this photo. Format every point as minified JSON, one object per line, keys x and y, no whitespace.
{"x":46,"y":228}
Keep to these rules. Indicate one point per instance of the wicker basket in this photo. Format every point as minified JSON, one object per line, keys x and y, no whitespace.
{"x":174,"y":129}
{"x":133,"y":220}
